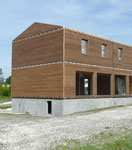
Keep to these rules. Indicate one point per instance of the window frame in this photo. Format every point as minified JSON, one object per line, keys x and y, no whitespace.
{"x":86,"y":46}
{"x":120,"y":51}
{"x":105,"y":53}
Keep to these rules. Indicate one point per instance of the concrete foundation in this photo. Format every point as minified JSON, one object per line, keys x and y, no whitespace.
{"x":39,"y":107}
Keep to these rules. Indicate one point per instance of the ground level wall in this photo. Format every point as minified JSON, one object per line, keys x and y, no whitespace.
{"x":70,"y":69}
{"x":58,"y":80}
{"x":43,"y":81}
{"x":39,"y":107}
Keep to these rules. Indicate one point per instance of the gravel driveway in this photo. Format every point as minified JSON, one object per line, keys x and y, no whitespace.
{"x":39,"y":133}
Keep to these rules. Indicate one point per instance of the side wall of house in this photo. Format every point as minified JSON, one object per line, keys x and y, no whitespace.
{"x":37,"y":68}
{"x":38,"y":82}
{"x":46,"y":48}
{"x":37,"y":28}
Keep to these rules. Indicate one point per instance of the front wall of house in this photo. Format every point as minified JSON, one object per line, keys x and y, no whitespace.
{"x":38,"y":82}
{"x":126,"y":56}
{"x":73,"y":51}
{"x":70,"y":78}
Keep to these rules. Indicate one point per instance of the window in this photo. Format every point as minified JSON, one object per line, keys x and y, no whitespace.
{"x":104,"y":50}
{"x":84,"y":83}
{"x":49,"y":107}
{"x":120,"y":85}
{"x":120,"y":54}
{"x":84,"y":45}
{"x":103,"y":84}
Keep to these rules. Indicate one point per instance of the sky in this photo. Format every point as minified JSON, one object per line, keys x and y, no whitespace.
{"x":111,"y":19}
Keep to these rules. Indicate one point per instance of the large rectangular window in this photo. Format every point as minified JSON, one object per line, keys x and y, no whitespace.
{"x":120,"y":85}
{"x":104,"y":51}
{"x":120,"y":54}
{"x":103,"y":84}
{"x":84,"y":46}
{"x":84,"y":83}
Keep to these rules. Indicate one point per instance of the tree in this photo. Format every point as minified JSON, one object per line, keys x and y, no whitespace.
{"x":1,"y":72}
{"x":1,"y":77}
{"x":8,"y":80}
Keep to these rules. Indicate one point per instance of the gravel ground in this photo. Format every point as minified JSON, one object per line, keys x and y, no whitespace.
{"x":19,"y":132}
{"x":5,"y":111}
{"x":5,"y":104}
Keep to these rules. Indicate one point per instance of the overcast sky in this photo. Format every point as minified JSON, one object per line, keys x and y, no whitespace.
{"x":108,"y":18}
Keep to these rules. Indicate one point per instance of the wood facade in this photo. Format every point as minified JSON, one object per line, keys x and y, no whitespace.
{"x":46,"y":58}
{"x":38,"y":82}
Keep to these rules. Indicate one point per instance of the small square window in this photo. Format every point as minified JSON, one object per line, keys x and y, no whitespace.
{"x":104,"y":51}
{"x":120,"y":54}
{"x":84,"y":45}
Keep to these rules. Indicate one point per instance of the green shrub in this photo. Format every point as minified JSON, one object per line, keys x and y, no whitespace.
{"x":5,"y":91}
{"x":1,"y":89}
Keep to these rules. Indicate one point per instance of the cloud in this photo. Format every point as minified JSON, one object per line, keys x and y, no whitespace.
{"x":108,"y":18}
{"x":115,"y":9}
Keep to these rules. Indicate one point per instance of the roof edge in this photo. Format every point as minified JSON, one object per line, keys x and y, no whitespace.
{"x":36,"y":35}
{"x":97,"y":36}
{"x":33,"y":26}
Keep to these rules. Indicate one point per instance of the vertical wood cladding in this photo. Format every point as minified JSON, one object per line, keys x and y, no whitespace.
{"x":73,"y":51}
{"x":38,"y":82}
{"x":38,"y":50}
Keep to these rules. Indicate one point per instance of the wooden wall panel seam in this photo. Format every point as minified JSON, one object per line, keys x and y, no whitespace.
{"x":33,"y":36}
{"x":72,"y":63}
{"x":76,"y":63}
{"x":37,"y":65}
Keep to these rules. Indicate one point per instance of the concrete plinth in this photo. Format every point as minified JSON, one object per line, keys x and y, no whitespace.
{"x":39,"y":107}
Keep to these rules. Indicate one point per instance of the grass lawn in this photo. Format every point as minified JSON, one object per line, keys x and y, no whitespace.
{"x":106,"y":140}
{"x":5,"y":98}
{"x":5,"y":107}
{"x":120,"y":144}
